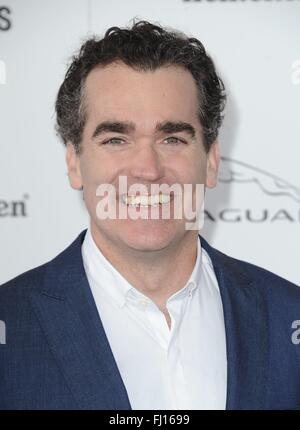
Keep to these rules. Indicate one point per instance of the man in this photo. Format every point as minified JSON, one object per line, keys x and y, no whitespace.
{"x":141,"y":312}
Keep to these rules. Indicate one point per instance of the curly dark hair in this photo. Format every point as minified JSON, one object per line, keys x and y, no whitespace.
{"x":144,"y":47}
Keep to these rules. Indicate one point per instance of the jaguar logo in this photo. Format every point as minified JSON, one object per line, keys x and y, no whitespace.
{"x":239,"y":172}
{"x":257,"y":196}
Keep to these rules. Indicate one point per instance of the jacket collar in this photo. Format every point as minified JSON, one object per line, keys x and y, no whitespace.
{"x":245,"y":317}
{"x":68,"y":314}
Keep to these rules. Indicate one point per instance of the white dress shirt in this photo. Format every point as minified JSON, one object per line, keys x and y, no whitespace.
{"x":184,"y":367}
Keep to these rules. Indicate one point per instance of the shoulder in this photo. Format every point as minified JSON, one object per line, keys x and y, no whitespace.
{"x":251,"y":273}
{"x":21,"y":285}
{"x":261,"y":274}
{"x":15,"y":305}
{"x":33,"y":279}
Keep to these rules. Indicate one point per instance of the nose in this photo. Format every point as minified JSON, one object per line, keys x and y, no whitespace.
{"x":146,"y":164}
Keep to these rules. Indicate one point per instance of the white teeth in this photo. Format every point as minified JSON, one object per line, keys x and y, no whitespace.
{"x":152,"y":200}
{"x":164,"y":198}
{"x":142,"y":200}
{"x":155,"y":200}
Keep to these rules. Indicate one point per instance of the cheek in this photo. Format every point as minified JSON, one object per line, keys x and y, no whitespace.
{"x":192,"y":171}
{"x":200,"y":166}
{"x":201,"y":174}
{"x":95,"y":171}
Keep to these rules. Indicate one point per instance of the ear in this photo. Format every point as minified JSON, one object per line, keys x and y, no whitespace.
{"x":212,"y":166}
{"x":73,"y":164}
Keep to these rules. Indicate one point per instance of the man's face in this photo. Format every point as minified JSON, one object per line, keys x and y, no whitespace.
{"x":132,"y":130}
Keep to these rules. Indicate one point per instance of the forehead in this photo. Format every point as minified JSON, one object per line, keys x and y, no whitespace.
{"x":117,"y":91}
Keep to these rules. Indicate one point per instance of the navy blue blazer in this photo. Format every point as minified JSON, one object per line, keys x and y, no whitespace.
{"x":57,"y":355}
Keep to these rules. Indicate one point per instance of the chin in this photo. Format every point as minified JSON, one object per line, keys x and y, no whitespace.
{"x":152,"y":237}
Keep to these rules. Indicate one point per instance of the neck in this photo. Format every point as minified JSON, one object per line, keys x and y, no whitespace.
{"x":159,"y":274}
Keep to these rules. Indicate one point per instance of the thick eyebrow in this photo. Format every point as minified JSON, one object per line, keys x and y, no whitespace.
{"x":127,"y":127}
{"x":176,"y":127}
{"x":124,"y":127}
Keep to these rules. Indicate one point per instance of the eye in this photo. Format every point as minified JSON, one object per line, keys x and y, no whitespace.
{"x":172,"y":140}
{"x":113,"y":141}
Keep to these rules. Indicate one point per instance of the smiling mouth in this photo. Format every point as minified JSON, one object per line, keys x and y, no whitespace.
{"x":146,"y":200}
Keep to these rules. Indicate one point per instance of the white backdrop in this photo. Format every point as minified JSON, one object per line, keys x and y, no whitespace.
{"x":254,"y":214}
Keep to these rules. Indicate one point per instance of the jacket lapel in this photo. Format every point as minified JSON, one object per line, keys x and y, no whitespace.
{"x":245,"y":315}
{"x":68,"y":315}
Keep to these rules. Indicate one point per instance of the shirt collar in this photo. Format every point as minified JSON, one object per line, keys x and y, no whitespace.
{"x":105,"y":274}
{"x":194,"y":281}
